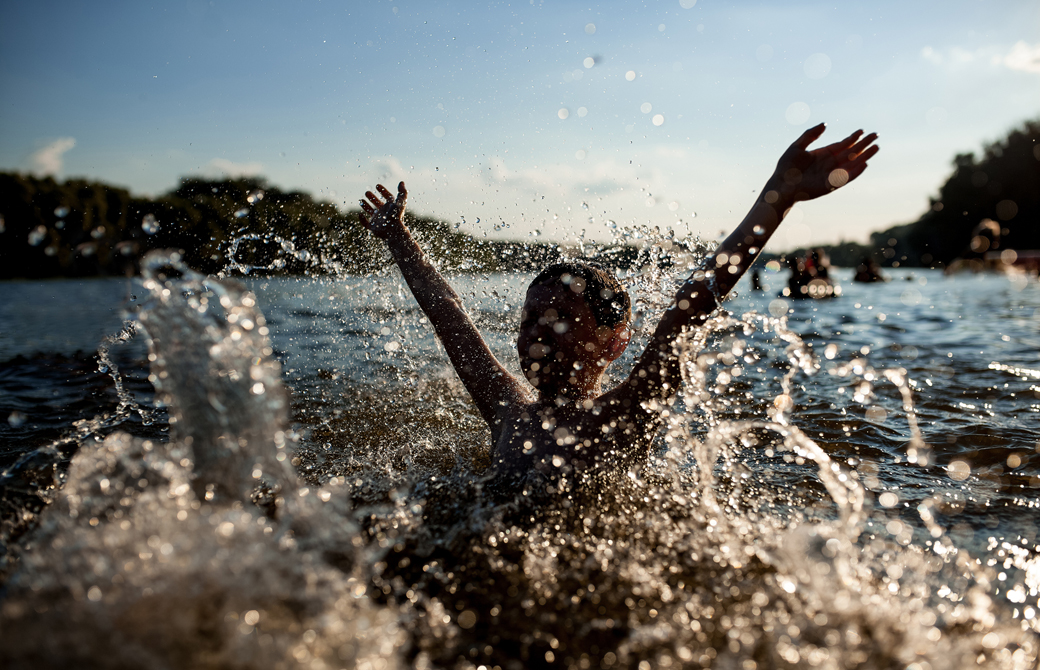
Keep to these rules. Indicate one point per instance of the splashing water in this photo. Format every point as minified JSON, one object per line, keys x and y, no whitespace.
{"x":203,"y":551}
{"x":744,"y":543}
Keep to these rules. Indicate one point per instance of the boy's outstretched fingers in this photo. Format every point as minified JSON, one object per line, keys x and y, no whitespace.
{"x":811,"y":135}
{"x":862,"y":145}
{"x":380,"y":212}
{"x":860,"y":154}
{"x":385,"y":192}
{"x":841,"y":145}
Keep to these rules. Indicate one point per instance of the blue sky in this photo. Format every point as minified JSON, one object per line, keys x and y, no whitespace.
{"x":515,"y":117}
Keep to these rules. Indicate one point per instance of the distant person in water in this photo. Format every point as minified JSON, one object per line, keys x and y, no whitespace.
{"x":868,"y":271}
{"x":756,"y":280}
{"x":576,"y":320}
{"x":810,"y":276}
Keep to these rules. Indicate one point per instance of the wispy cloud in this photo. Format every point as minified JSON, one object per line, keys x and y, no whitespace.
{"x":232,"y":169}
{"x":49,"y":159}
{"x":954,"y":56}
{"x":595,"y":177}
{"x":1023,"y":57}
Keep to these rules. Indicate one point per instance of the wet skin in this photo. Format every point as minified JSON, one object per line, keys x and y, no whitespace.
{"x":563,"y":351}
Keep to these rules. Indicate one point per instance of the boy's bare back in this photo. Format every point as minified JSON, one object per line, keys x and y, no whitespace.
{"x":559,"y":418}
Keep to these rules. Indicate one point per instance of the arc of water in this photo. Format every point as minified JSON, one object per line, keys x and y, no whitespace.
{"x":287,"y":247}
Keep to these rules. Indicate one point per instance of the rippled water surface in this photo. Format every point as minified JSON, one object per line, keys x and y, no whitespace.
{"x":308,"y":492}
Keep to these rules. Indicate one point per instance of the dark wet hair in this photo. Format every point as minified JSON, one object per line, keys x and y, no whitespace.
{"x":603,"y":293}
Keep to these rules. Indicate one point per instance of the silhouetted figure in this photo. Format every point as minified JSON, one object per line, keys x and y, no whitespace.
{"x":868,"y":271}
{"x":981,"y":253}
{"x":810,"y":276}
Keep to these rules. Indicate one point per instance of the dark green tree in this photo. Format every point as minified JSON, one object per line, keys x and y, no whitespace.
{"x":1003,"y":185}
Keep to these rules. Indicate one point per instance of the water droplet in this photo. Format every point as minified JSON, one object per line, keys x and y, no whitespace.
{"x":16,"y":419}
{"x":589,"y":62}
{"x":37,"y":235}
{"x":797,"y":113}
{"x":242,"y":213}
{"x":149,"y":224}
{"x":584,"y":205}
{"x":958,"y":470}
{"x":98,"y":232}
{"x":438,"y":131}
{"x":758,"y":230}
{"x":630,"y":75}
{"x":658,"y":119}
{"x":838,"y":178}
{"x":889,"y":499}
{"x":817,"y":66}
{"x":255,"y":196}
{"x":582,"y":112}
{"x":61,"y":212}
{"x":645,"y":107}
{"x":563,"y":113}
{"x":687,"y":4}
{"x":590,"y":28}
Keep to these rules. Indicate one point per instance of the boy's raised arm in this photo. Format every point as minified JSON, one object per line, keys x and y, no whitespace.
{"x":801,"y":174}
{"x":487,"y":381}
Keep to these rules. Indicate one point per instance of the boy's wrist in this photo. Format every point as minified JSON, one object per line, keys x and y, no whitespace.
{"x":779,"y":193}
{"x":396,"y":231}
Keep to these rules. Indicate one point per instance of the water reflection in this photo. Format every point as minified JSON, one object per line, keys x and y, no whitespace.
{"x":794,"y":519}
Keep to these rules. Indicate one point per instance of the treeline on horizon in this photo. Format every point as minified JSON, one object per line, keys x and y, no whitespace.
{"x":84,"y":228}
{"x":1002,"y":187}
{"x":88,"y":228}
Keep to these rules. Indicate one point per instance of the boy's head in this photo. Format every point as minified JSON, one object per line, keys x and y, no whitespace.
{"x":574,"y":322}
{"x":603,"y":293}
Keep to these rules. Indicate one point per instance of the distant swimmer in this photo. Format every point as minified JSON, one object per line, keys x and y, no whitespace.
{"x":810,"y":276}
{"x":576,"y":320}
{"x":868,"y":271}
{"x":756,"y":280}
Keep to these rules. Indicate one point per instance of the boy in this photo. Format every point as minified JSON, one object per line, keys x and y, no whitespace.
{"x":575,"y":321}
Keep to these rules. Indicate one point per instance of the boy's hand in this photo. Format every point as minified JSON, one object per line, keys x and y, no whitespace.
{"x":381,"y":218}
{"x":802,"y":174}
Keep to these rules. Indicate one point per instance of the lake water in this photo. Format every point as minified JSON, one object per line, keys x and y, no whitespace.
{"x":307,"y":493}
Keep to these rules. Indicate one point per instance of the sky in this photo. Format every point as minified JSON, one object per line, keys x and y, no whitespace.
{"x":546,"y":119}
